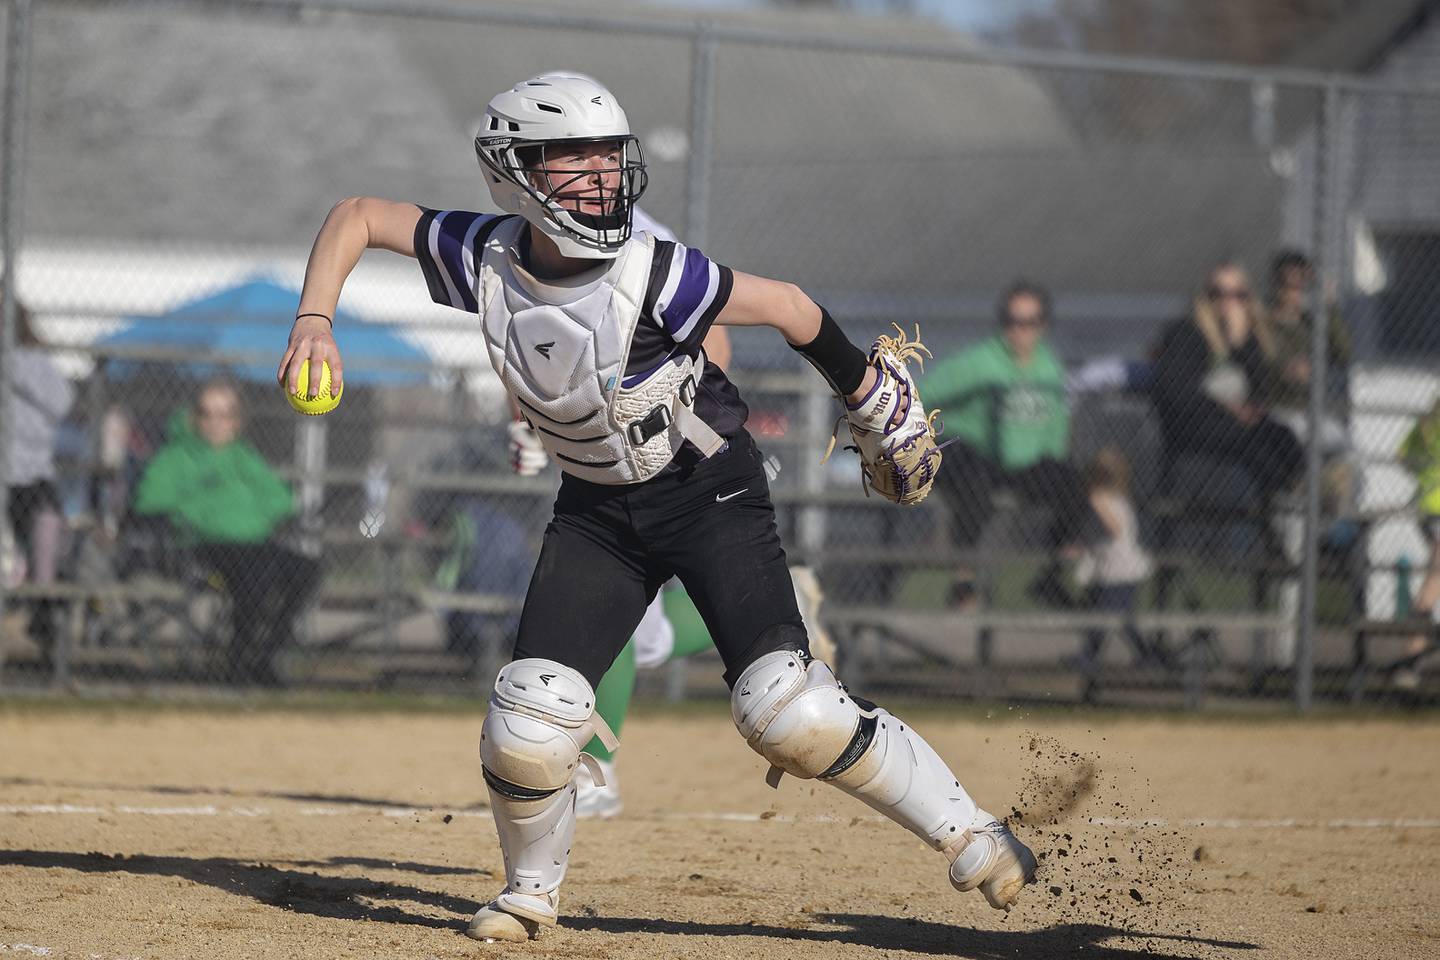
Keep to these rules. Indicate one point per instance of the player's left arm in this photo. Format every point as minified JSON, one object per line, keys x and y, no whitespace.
{"x":892,"y":432}
{"x":758,"y":301}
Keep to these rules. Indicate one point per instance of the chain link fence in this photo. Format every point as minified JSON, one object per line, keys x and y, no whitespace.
{"x":1169,"y":484}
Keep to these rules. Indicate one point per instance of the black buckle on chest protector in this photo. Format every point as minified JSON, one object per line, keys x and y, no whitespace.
{"x":649,"y":425}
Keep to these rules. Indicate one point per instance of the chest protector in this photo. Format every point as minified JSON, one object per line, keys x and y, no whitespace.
{"x":561,"y":349}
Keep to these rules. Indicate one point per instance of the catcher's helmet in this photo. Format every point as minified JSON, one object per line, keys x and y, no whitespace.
{"x":560,"y":107}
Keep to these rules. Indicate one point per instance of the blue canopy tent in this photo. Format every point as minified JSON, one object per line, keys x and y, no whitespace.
{"x":242,"y":330}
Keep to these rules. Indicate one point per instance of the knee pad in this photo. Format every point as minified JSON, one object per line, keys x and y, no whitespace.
{"x":541,"y":715}
{"x":793,"y":712}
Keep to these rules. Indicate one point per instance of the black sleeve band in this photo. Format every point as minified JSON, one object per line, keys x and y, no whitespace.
{"x":838,"y":360}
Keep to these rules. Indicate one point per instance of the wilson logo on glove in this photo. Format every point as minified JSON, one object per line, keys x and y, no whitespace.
{"x":894,"y":436}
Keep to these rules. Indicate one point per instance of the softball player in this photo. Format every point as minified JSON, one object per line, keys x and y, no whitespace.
{"x":656,"y":640}
{"x":596,"y":333}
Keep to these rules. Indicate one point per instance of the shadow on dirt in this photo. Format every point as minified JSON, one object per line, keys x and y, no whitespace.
{"x":359,"y":898}
{"x":1085,"y":940}
{"x":341,"y":898}
{"x":408,"y":866}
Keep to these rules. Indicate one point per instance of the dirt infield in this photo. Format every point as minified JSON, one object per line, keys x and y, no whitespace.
{"x":186,"y":834}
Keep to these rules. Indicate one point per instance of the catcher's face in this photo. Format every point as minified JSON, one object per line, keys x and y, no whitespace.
{"x":584,"y":177}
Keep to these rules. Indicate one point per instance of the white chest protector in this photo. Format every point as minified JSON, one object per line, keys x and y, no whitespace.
{"x":561,"y":349}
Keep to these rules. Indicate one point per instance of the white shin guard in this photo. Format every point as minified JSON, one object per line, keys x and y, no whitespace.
{"x":901,"y":776}
{"x":541,"y":716}
{"x":797,"y":716}
{"x":535,"y":839}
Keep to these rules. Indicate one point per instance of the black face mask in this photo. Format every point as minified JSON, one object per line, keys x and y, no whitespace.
{"x":613,"y":227}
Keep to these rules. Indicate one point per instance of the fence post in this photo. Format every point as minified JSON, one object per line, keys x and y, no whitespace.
{"x":1328,"y":224}
{"x":697,"y":209}
{"x":12,"y":208}
{"x":702,"y":118}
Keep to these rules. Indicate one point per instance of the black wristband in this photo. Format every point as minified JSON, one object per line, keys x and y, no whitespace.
{"x":838,"y":360}
{"x":326,"y":318}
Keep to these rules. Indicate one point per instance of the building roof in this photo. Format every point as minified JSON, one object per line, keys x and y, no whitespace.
{"x":859,"y":176}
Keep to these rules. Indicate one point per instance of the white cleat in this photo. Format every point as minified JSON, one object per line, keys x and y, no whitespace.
{"x":594,"y":802}
{"x":995,"y":861}
{"x":499,"y":920}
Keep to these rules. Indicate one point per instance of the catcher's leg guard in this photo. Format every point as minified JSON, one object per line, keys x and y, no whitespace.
{"x":795,"y":715}
{"x":541,"y":715}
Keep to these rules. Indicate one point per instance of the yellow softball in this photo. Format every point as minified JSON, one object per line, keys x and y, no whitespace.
{"x":321,"y":402}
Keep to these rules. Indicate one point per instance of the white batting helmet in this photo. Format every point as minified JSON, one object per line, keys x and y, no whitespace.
{"x":559,"y":107}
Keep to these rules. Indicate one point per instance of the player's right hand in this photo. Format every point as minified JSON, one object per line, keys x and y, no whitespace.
{"x":311,"y":339}
{"x":527,"y":454}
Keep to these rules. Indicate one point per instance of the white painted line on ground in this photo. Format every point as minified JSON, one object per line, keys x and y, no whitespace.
{"x":321,"y":810}
{"x":1283,"y":823}
{"x":1223,"y":823}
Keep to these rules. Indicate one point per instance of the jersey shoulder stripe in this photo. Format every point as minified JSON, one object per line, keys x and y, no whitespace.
{"x":687,"y":290}
{"x":445,"y":249}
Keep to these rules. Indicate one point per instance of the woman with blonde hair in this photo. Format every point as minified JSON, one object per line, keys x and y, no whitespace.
{"x":1212,"y":375}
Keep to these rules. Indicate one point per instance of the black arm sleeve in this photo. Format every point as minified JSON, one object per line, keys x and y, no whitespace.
{"x":839,"y":361}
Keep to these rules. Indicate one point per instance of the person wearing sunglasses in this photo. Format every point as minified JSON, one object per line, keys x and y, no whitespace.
{"x":1004,"y":403}
{"x":1212,"y":378}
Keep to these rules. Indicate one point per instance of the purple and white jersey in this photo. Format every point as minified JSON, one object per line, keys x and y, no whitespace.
{"x":686,"y":292}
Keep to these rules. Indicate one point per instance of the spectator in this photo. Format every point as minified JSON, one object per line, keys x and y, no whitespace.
{"x":40,"y":397}
{"x":219,"y":493}
{"x":1212,"y":377}
{"x":1288,"y":330}
{"x":1113,"y":569}
{"x":1421,"y":455}
{"x":1004,"y":399}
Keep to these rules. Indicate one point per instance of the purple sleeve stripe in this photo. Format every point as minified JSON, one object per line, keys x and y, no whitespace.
{"x":695,"y":289}
{"x":702,"y":309}
{"x":448,"y":233}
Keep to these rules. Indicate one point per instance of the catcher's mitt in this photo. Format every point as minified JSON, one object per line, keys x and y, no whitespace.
{"x":893,"y":435}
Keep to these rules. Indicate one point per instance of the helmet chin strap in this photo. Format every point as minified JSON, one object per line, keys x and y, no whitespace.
{"x":564,"y":242}
{"x":539,"y":216}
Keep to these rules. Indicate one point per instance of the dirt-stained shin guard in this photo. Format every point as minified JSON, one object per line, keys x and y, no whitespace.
{"x":795,"y":714}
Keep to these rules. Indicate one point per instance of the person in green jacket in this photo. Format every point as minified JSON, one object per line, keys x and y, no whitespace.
{"x":1004,"y":399}
{"x":220,"y":495}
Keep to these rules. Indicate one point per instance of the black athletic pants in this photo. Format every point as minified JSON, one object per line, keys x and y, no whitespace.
{"x":609,"y":549}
